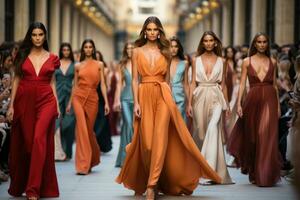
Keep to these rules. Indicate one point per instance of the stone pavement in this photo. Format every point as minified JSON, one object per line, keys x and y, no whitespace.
{"x":100,"y":185}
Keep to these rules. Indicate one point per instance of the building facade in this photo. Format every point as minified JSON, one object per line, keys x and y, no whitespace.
{"x":66,"y":21}
{"x":237,"y":21}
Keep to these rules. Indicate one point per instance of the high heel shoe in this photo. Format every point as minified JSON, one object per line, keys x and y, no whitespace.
{"x":150,"y":194}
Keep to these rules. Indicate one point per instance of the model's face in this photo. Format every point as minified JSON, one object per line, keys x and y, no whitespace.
{"x":209,"y":42}
{"x":229,"y":53}
{"x":8,"y":62}
{"x":66,"y":52}
{"x":129,"y":49}
{"x":174,"y":48}
{"x":88,"y":49}
{"x":261,"y":44}
{"x":152,"y":32}
{"x":6,"y":80}
{"x":38,"y":37}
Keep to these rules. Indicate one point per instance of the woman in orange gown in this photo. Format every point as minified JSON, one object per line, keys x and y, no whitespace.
{"x":88,"y":74}
{"x":162,"y":154}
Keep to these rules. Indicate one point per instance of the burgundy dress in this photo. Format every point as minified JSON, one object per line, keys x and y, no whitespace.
{"x":32,"y":168}
{"x":254,"y":138}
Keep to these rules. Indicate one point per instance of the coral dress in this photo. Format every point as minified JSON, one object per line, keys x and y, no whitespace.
{"x":162,"y":152}
{"x":85,"y":105}
{"x":254,"y":139}
{"x":31,"y":162}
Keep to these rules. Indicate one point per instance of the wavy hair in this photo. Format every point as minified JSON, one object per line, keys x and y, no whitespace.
{"x":217,"y":49}
{"x":26,"y":46}
{"x":162,"y":42}
{"x":253,"y":50}
{"x":82,"y":54}
{"x":61,"y":55}
{"x":180,"y":52}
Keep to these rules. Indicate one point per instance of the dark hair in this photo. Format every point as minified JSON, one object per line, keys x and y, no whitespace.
{"x":253,"y":49}
{"x":180,"y":52}
{"x":217,"y":49}
{"x":125,"y":56}
{"x":26,"y":46}
{"x":163,"y":43}
{"x":82,"y":54}
{"x":101,"y":58}
{"x":233,"y":58}
{"x":61,"y":55}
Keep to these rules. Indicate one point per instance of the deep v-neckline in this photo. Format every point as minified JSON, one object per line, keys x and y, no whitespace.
{"x":213,"y":68}
{"x":65,"y":74}
{"x":42,"y":66}
{"x":151,"y":67}
{"x":255,"y":72}
{"x":176,"y":70}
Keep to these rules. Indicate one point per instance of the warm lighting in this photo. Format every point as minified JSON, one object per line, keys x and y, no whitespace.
{"x":214,"y":4}
{"x":98,"y":14}
{"x":206,"y":10}
{"x":205,"y":3}
{"x":199,"y":17}
{"x":85,"y":9}
{"x":78,"y":2}
{"x":198,"y":10}
{"x":87,"y":2}
{"x":192,"y":15}
{"x":92,"y":9}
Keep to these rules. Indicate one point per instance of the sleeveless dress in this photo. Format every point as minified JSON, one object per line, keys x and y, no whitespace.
{"x":208,"y":103}
{"x":254,"y":139}
{"x":101,"y":127}
{"x":127,"y":117}
{"x":31,"y":159}
{"x":66,"y":122}
{"x":178,"y":89}
{"x":85,"y":104}
{"x":162,"y":153}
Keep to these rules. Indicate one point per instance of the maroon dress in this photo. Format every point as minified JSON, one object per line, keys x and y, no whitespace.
{"x":254,"y":138}
{"x":32,"y":168}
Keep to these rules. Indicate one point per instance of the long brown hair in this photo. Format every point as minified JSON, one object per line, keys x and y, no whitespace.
{"x":180,"y":52}
{"x":162,"y":42}
{"x":253,"y":50}
{"x":217,"y":49}
{"x":82,"y":54}
{"x":125,"y":56}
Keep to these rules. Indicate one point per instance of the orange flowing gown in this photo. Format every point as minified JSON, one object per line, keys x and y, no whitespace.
{"x":85,"y":104}
{"x":162,"y":152}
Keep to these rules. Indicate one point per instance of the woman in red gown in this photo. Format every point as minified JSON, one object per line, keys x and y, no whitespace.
{"x":253,"y":141}
{"x":33,"y":111}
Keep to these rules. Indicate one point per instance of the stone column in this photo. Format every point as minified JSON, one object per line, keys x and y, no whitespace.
{"x":284,"y":21}
{"x":21,"y":21}
{"x":207,"y":23}
{"x":82,"y":31}
{"x":55,"y":26}
{"x":75,"y":30}
{"x":216,"y":22}
{"x":2,"y":21}
{"x":239,"y":22}
{"x":226,"y":22}
{"x":258,"y":16}
{"x":66,"y":22}
{"x":41,"y":11}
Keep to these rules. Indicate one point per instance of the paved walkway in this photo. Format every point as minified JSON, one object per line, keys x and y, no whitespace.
{"x":100,"y":185}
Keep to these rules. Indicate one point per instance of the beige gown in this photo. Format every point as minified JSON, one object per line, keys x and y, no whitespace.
{"x":208,"y":104}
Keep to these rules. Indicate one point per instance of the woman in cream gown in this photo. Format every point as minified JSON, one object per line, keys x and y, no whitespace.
{"x":207,"y":103}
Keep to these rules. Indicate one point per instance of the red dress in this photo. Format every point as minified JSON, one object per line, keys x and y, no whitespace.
{"x":254,"y":138}
{"x":32,"y":167}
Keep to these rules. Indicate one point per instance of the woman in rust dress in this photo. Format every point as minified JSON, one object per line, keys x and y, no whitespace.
{"x":33,"y":109}
{"x":162,"y":154}
{"x":254,"y":139}
{"x":88,"y":74}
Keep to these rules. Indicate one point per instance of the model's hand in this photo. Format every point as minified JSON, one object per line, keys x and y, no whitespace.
{"x":239,"y":111}
{"x":106,"y":109}
{"x":189,"y":111}
{"x":117,"y":106}
{"x":68,"y":108}
{"x":58,"y":113}
{"x":137,"y":110}
{"x":10,"y":114}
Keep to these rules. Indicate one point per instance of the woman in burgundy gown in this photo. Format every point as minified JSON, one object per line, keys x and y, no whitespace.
{"x":33,"y":111}
{"x":253,"y":141}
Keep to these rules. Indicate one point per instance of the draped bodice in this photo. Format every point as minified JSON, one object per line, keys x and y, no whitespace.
{"x":64,"y":82}
{"x":127,"y":91}
{"x":215,"y":76}
{"x":177,"y":79}
{"x":89,"y":75}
